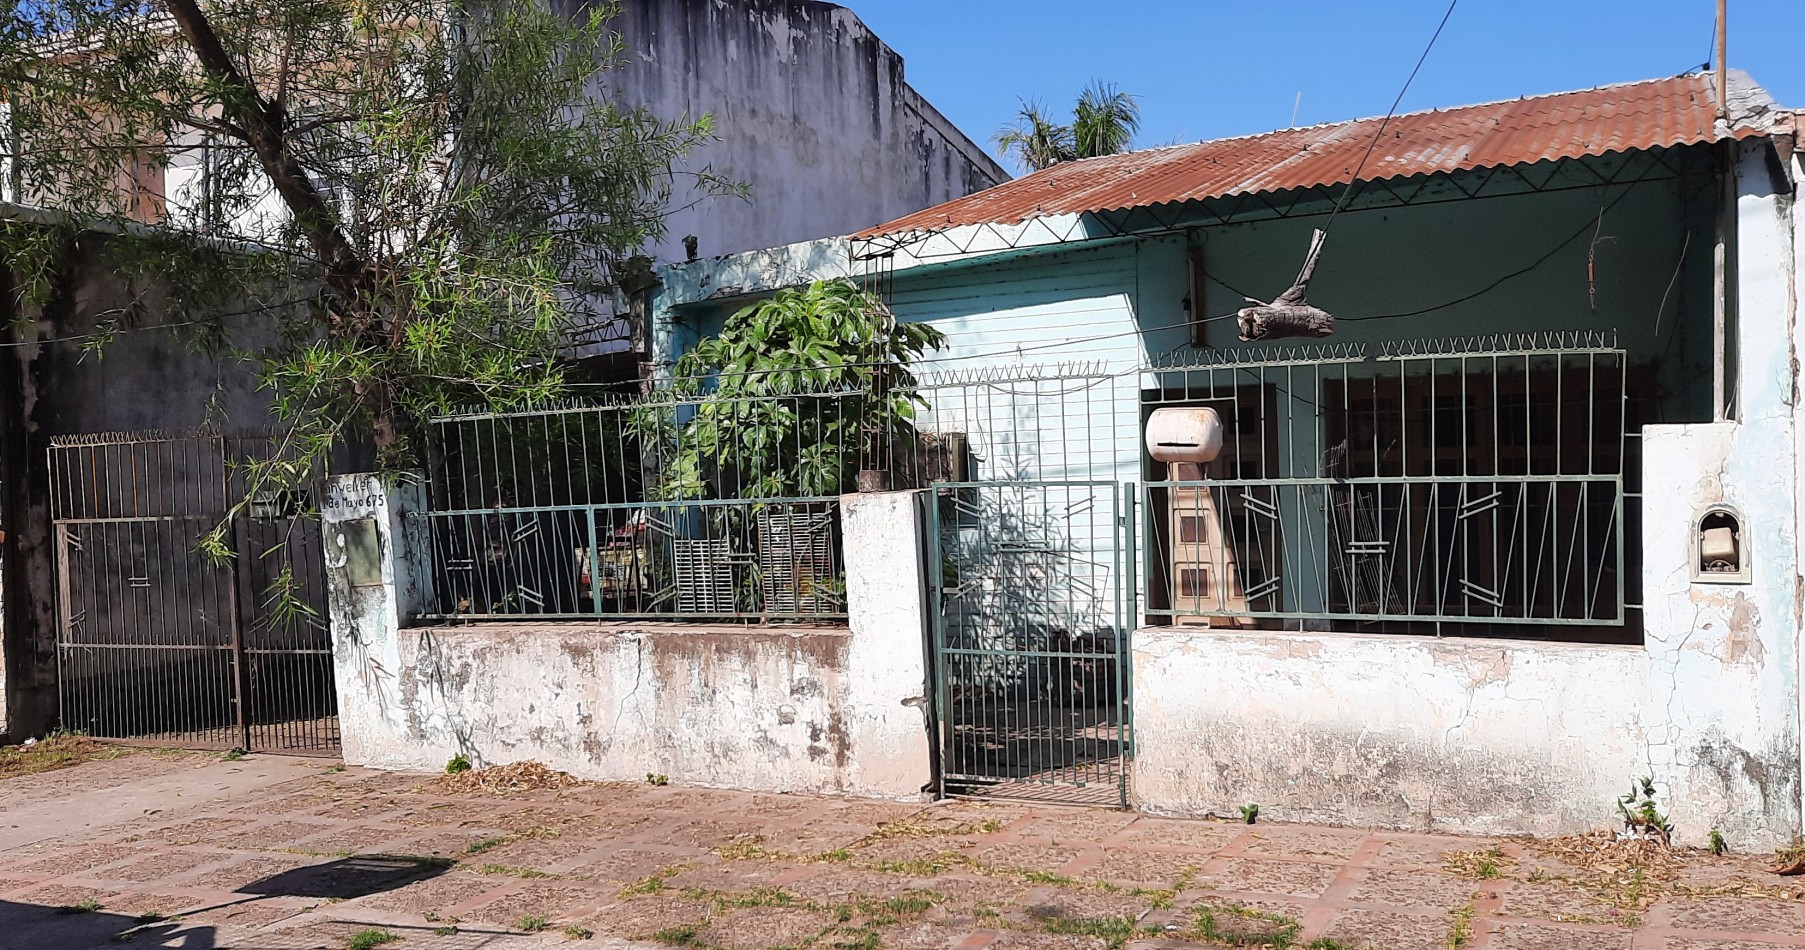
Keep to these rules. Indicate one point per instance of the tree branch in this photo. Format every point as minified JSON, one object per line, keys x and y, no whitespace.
{"x":262,"y":124}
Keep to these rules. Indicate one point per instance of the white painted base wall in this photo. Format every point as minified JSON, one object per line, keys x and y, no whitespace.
{"x":752,"y":708}
{"x":783,"y":709}
{"x":1387,"y":732}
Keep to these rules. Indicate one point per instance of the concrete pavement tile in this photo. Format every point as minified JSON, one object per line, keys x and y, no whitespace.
{"x":162,"y":866}
{"x":1390,"y":886}
{"x":1557,"y":901}
{"x":1271,"y":877}
{"x":1741,"y":915}
{"x":555,"y":901}
{"x":759,"y":928}
{"x":1199,"y":836}
{"x":1544,"y":937}
{"x":1384,"y":930}
{"x":1156,"y":869}
{"x":1307,"y":843}
{"x":1044,"y":858}
{"x":435,"y":895}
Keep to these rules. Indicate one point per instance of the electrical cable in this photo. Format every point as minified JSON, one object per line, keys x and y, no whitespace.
{"x":1354,"y":179}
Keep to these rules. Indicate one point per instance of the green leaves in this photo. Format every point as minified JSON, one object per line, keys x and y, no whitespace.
{"x":797,"y":393}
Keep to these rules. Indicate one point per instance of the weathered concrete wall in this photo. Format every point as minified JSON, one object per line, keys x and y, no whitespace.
{"x":1390,"y":732}
{"x":147,"y":376}
{"x":812,"y":113}
{"x":833,"y":710}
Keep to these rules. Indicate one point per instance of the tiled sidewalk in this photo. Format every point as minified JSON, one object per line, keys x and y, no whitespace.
{"x":314,"y":859}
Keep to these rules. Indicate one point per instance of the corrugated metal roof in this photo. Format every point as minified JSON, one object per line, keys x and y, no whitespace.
{"x":1661,"y":112}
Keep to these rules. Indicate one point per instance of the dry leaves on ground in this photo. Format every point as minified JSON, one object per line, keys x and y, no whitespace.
{"x":55,"y":752}
{"x":505,"y":780}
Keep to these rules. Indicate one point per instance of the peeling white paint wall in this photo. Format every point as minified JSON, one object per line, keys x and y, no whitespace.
{"x":796,"y":709}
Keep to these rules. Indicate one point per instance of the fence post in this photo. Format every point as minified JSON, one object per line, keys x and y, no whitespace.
{"x":886,"y":677}
{"x":378,"y":576}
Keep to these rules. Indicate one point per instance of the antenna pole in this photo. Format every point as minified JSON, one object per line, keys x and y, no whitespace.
{"x":1723,"y":74}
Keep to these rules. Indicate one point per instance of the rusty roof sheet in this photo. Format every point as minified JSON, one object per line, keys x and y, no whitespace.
{"x":1661,"y":112}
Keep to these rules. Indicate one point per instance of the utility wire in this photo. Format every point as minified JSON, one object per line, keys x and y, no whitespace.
{"x":1348,"y":192}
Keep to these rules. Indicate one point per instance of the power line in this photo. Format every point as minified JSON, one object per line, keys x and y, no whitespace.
{"x":1353,"y":180}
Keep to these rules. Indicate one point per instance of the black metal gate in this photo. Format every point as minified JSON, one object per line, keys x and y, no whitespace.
{"x":1031,"y":638}
{"x":160,"y":642}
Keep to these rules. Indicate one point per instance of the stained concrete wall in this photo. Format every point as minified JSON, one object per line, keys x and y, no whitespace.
{"x":833,"y":710}
{"x":812,"y":113}
{"x":149,"y":375}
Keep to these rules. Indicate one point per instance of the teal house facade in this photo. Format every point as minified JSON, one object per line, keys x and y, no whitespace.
{"x":1524,"y":527}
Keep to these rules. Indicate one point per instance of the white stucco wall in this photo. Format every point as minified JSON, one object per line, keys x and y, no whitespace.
{"x":799,"y":709}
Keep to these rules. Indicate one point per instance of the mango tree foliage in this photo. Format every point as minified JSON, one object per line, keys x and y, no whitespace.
{"x":794,"y":395}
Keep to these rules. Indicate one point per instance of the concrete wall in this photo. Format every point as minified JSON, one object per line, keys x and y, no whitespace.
{"x":833,"y":710}
{"x":149,"y":375}
{"x":812,"y":112}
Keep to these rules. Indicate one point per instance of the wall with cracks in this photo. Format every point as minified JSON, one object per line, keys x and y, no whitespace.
{"x":790,"y":709}
{"x":1504,"y":736}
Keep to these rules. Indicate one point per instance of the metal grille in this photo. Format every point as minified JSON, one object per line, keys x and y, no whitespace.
{"x":654,"y":507}
{"x":1030,"y":643}
{"x":1436,"y":487}
{"x":156,"y":641}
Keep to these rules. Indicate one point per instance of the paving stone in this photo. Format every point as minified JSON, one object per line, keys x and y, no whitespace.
{"x":1196,"y":836}
{"x":1043,"y":858}
{"x":1289,"y":841}
{"x":1077,"y":826}
{"x":436,"y":895}
{"x":642,"y":918}
{"x":1271,"y":877}
{"x":1731,"y":914}
{"x":759,"y":928}
{"x":1418,"y":888}
{"x":1384,"y":930}
{"x":1418,"y":851}
{"x":163,"y":866}
{"x":554,"y":901}
{"x":1555,"y":901}
{"x":1156,"y":869}
{"x":1547,"y":937}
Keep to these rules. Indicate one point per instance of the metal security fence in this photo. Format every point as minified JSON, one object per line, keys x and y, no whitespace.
{"x":657,"y":507}
{"x":1434,"y":487}
{"x":158,"y":641}
{"x":1031,"y":640}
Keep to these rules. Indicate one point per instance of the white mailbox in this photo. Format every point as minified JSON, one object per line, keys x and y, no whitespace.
{"x":1184,"y":435}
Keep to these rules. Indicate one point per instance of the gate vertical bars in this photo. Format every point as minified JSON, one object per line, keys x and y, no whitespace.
{"x":1030,"y":639}
{"x":154,"y":641}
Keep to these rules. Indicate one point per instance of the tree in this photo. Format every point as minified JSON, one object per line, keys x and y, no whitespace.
{"x":798,"y":391}
{"x":1104,"y":122}
{"x":422,"y":197}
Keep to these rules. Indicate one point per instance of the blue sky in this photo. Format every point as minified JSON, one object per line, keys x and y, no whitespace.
{"x":1205,"y":69}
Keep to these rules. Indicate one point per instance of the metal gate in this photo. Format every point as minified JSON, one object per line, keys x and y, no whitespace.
{"x":1032,"y":605}
{"x":159,"y":642}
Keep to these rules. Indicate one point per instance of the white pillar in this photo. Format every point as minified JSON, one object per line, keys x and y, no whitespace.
{"x":378,"y":578}
{"x":886,"y":682}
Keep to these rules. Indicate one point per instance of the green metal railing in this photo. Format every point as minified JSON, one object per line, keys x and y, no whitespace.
{"x":657,"y":507}
{"x":1435,"y":484}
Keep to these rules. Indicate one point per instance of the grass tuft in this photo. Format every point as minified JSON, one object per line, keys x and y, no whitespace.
{"x":370,"y":939}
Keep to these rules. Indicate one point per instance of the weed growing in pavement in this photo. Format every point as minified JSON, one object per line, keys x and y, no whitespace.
{"x":532,"y":923}
{"x":1487,"y":865}
{"x":1250,"y":813}
{"x":1642,"y":818}
{"x":1717,"y":843}
{"x":683,"y":935}
{"x":151,"y":917}
{"x":1233,"y":925}
{"x":513,"y":871}
{"x":574,"y":932}
{"x":369,"y":940}
{"x":656,"y":779}
{"x":457,"y":763}
{"x":445,"y":931}
{"x":478,"y":847}
{"x":1113,"y":931}
{"x":651,"y":883}
{"x":1460,"y":932}
{"x":88,"y":906}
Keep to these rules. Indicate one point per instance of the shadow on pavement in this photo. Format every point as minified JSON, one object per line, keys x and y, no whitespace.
{"x":36,"y":927}
{"x":346,"y":878}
